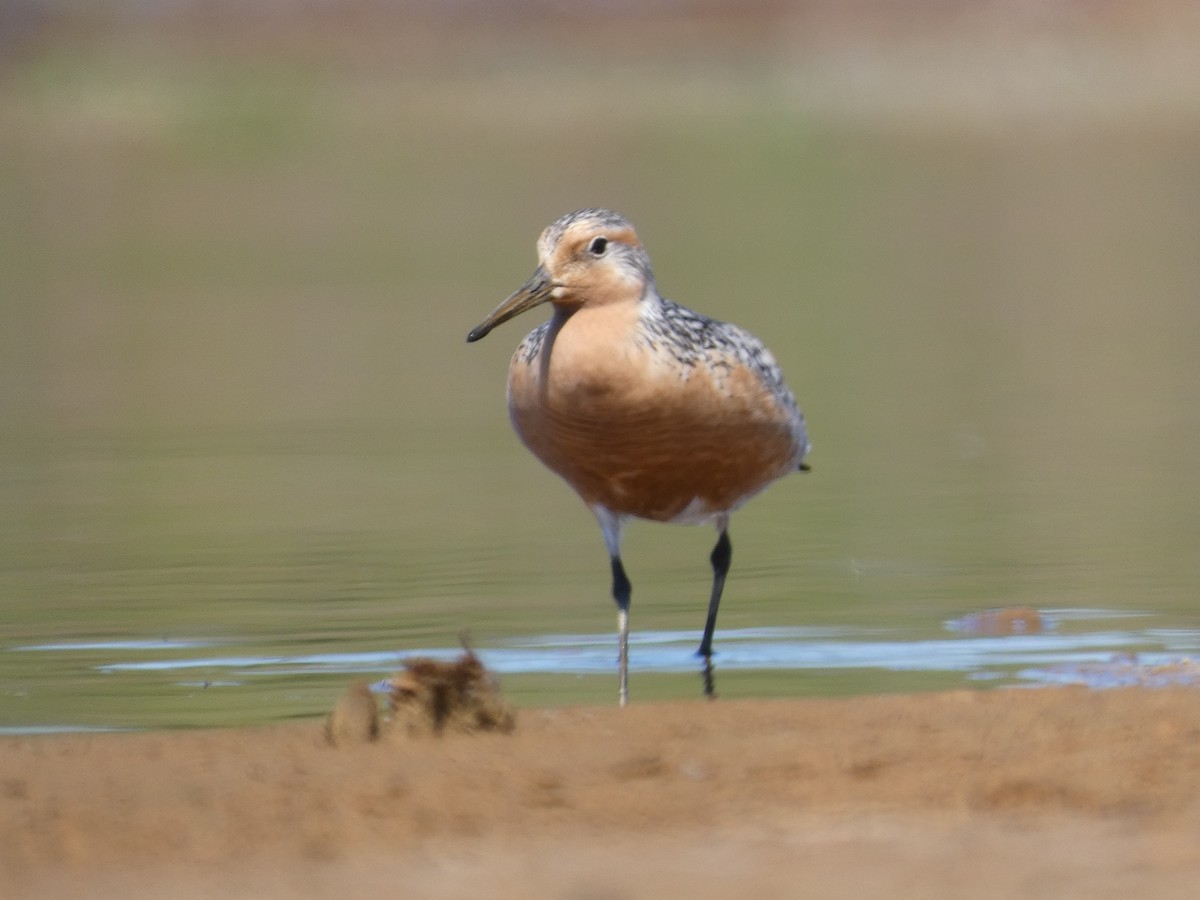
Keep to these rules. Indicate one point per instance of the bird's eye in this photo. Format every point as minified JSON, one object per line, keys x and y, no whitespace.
{"x":598,"y":246}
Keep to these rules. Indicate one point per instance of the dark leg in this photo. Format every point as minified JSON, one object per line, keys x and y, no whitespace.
{"x":622,"y":592}
{"x":721,"y":556}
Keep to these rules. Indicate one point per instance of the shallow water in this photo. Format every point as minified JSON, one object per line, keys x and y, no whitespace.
{"x":1031,"y":657}
{"x":1095,"y":648}
{"x":247,"y":454}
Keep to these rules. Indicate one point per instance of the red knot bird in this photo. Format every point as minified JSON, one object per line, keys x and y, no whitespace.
{"x":645,"y":408}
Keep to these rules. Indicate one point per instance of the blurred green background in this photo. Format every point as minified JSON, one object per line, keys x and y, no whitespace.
{"x":240,"y":249}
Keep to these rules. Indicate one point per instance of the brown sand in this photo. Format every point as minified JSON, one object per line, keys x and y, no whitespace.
{"x":1048,"y":793}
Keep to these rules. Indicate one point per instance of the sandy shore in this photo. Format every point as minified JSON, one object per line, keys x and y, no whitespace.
{"x":1048,"y":793}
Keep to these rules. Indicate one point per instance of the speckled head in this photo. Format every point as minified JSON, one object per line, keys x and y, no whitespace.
{"x":591,"y":256}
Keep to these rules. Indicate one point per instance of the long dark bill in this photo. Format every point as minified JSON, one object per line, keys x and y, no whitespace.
{"x":534,"y":292}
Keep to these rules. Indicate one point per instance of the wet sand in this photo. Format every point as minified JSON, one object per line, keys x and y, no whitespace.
{"x":1048,"y":793}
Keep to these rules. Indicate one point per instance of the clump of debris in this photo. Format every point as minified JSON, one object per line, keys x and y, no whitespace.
{"x":427,"y":697}
{"x":355,"y":719}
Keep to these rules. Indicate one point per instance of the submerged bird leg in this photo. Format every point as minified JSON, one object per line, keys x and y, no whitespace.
{"x":622,"y":591}
{"x":612,"y":525}
{"x":721,"y":556}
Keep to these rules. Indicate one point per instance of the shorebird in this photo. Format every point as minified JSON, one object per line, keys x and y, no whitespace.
{"x":647,"y":409}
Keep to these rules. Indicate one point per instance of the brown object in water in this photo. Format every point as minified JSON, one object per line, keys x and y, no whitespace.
{"x":1002,"y":622}
{"x":430,"y":697}
{"x":355,"y":719}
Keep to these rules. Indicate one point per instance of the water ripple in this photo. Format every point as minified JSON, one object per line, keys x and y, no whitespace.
{"x":1100,"y":658}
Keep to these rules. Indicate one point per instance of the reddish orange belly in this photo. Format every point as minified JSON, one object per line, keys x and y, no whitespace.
{"x":656,"y":461}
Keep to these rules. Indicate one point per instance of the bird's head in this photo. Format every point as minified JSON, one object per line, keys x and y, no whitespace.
{"x":588,"y":257}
